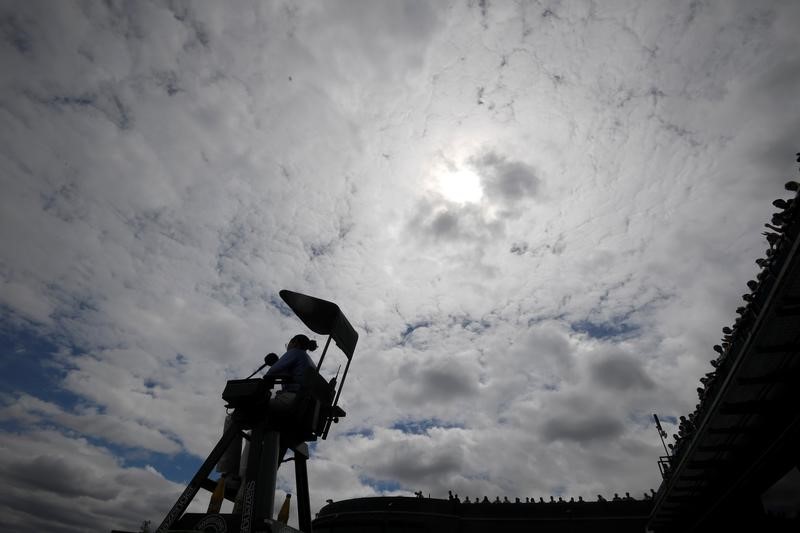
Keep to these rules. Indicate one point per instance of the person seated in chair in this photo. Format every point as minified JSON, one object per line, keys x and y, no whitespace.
{"x":282,"y":409}
{"x":293,"y":363}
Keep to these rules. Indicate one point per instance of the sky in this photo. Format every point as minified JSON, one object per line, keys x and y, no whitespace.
{"x":537,"y":215}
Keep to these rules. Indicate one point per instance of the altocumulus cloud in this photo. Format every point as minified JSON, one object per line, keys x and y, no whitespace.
{"x":166,"y":168}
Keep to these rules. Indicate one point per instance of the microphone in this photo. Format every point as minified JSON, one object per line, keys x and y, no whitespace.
{"x":269,"y":360}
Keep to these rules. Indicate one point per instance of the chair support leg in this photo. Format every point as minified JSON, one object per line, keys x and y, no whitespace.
{"x":194,"y":485}
{"x":303,"y":503}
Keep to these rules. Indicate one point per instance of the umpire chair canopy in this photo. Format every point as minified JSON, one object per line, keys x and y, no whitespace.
{"x":324,"y":318}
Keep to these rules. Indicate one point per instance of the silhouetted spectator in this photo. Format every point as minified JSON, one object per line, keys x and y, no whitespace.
{"x":505,"y":499}
{"x":497,"y":499}
{"x":485,"y":500}
{"x":450,"y":495}
{"x":628,"y":496}
{"x":616,"y":497}
{"x":516,"y":500}
{"x":552,"y":500}
{"x":580,"y":499}
{"x":600,"y":498}
{"x":541,"y":500}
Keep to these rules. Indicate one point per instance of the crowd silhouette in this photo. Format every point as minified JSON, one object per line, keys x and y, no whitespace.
{"x":782,"y":231}
{"x":541,"y":501}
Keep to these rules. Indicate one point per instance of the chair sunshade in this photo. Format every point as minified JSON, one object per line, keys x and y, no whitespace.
{"x":324,"y":318}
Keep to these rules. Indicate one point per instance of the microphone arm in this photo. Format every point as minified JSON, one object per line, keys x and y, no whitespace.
{"x":269,"y":360}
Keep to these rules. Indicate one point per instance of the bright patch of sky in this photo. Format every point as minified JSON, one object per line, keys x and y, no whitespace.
{"x":537,"y":215}
{"x":460,"y":185}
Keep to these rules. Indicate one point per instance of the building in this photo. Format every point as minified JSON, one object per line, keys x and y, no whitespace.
{"x":403,"y":514}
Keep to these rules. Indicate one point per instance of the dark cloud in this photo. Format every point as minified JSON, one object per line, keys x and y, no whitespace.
{"x":445,"y":224}
{"x":547,"y":347}
{"x":582,"y":429}
{"x":413,"y":464}
{"x":439,"y":380}
{"x":620,"y":372}
{"x":509,"y":182}
{"x":413,"y":459}
{"x":447,"y":384}
{"x":440,"y":220}
{"x":79,"y":485}
{"x":57,"y":475}
{"x":22,"y":513}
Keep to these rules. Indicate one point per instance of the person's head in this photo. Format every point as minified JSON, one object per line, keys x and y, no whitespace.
{"x":302,"y":342}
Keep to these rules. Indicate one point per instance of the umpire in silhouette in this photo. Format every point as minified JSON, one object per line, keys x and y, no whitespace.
{"x":293,"y":363}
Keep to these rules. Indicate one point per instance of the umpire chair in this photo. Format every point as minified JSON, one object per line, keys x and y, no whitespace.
{"x":315,"y":409}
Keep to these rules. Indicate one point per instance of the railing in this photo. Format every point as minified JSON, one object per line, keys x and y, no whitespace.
{"x":665,"y":465}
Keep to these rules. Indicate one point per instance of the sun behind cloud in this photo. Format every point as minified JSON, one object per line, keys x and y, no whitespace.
{"x":461,"y":185}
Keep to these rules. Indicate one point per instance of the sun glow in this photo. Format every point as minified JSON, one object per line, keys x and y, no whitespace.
{"x":462,"y":186}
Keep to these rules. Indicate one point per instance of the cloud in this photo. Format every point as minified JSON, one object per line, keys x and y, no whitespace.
{"x":437,"y":379}
{"x":582,"y":429}
{"x":78,"y":482}
{"x":411,"y":459}
{"x":166,"y":169}
{"x":620,"y":372}
{"x":441,"y":221}
{"x":506,"y":185}
{"x":55,"y":475}
{"x":88,"y":421}
{"x":413,"y":462}
{"x":508,"y":182}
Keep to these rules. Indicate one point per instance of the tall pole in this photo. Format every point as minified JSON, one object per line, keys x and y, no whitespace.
{"x":661,"y":433}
